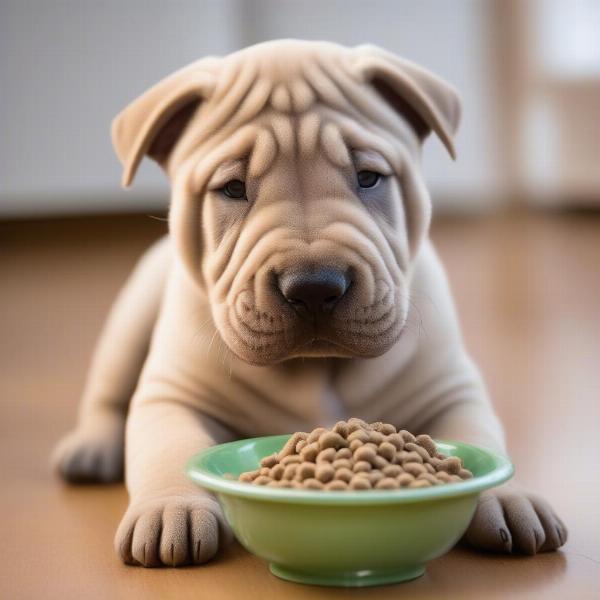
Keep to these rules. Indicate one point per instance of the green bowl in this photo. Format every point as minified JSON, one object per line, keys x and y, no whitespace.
{"x":356,"y":538}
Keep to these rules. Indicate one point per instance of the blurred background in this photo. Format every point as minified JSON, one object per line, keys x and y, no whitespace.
{"x":528,"y":72}
{"x":517,"y":224}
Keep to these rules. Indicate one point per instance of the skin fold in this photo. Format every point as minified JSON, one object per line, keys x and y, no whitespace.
{"x":202,"y":346}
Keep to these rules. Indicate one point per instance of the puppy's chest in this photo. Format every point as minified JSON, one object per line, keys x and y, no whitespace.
{"x":300,"y":395}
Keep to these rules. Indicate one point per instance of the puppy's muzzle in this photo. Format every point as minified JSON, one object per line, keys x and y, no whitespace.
{"x":313,"y":292}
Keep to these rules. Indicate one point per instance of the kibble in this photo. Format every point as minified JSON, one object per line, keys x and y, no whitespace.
{"x":355,"y":455}
{"x":387,"y":483}
{"x":362,"y":465}
{"x":324,"y":472}
{"x":342,"y":463}
{"x":355,"y":444}
{"x":327,"y":455}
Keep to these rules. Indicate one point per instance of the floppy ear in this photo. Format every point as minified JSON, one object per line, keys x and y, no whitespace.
{"x":152,"y":123}
{"x":425,"y":100}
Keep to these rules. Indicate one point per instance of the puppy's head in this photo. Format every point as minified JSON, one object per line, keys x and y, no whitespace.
{"x":298,"y":204}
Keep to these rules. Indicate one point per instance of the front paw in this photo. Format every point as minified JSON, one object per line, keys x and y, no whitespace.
{"x":171,"y":531}
{"x":509,"y":519}
{"x":92,"y":453}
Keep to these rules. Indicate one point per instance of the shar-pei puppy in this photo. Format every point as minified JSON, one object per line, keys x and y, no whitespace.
{"x":297,"y":287}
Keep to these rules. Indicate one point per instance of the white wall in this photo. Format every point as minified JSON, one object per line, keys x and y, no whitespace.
{"x":450,"y":38}
{"x":67,"y":67}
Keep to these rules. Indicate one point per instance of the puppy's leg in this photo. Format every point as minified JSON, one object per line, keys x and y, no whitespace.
{"x":508,"y":518}
{"x":169,"y":521}
{"x":94,"y":450}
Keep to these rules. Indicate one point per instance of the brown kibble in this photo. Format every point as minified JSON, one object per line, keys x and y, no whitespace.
{"x":337,"y":485}
{"x":387,"y":429}
{"x":465,"y":474}
{"x":359,"y":434}
{"x":387,"y":483}
{"x":290,"y":445}
{"x":330,"y":439}
{"x":451,"y":465}
{"x":356,"y":455}
{"x":400,"y":457}
{"x":407,"y":436}
{"x":324,"y":472}
{"x":310,"y":452}
{"x":312,"y":484}
{"x":419,"y":483}
{"x":379,"y":462}
{"x":344,"y":474}
{"x":426,"y":442}
{"x":362,"y":465}
{"x":290,"y":471}
{"x":315,"y":434}
{"x":249,"y":476}
{"x":444,"y":477}
{"x":269,"y":461}
{"x":342,"y":463}
{"x":413,"y":447}
{"x":354,"y":423}
{"x":405,"y":479}
{"x":375,"y":476}
{"x":341,"y":427}
{"x":396,"y":440}
{"x":300,"y":445}
{"x":355,"y":445}
{"x":412,"y":457}
{"x":392,"y":470}
{"x":433,"y":480}
{"x":365,"y":453}
{"x":305,"y":471}
{"x":343,"y":453}
{"x":277,"y":472}
{"x":414,"y":468}
{"x":360,"y":483}
{"x":327,"y":455}
{"x":387,"y":450}
{"x":376,"y":437}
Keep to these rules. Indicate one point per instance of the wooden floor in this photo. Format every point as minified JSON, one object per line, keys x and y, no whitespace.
{"x":528,"y":292}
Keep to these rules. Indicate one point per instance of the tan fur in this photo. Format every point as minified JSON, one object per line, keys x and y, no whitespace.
{"x":229,"y":357}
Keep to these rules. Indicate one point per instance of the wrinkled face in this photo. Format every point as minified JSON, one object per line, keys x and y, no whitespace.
{"x":298,"y":205}
{"x":305,"y":241}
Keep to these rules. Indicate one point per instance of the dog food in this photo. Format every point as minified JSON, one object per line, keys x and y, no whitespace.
{"x":356,"y":455}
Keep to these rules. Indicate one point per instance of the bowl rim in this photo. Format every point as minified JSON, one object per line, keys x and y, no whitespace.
{"x":194,"y":469}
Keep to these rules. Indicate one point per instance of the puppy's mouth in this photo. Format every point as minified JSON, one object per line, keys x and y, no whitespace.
{"x":263,"y":338}
{"x":316,"y":346}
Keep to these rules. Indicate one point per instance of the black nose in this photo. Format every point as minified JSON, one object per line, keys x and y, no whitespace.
{"x":311,"y":292}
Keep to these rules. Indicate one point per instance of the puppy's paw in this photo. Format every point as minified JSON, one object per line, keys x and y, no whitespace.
{"x":509,"y":519}
{"x":93,"y":453}
{"x":171,"y":531}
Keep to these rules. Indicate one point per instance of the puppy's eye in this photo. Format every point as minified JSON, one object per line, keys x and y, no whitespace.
{"x":234,"y":189}
{"x":368,"y":179}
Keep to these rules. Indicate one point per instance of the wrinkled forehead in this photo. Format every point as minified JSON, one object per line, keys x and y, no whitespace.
{"x":309,"y":139}
{"x":316,"y":106}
